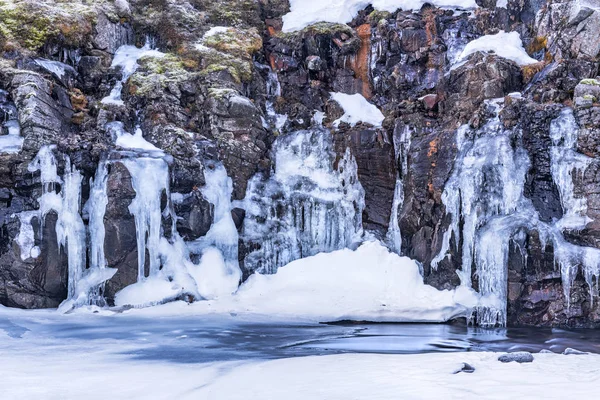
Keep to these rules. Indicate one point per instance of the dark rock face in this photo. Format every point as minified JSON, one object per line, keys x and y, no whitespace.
{"x":207,"y":100}
{"x":520,"y":357}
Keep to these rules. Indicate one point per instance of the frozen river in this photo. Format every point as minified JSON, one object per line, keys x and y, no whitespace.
{"x":204,"y":339}
{"x":46,"y":355}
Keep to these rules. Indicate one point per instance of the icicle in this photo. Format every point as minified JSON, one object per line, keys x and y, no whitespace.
{"x":45,"y":162}
{"x":70,"y":230}
{"x":219,"y":272}
{"x":150,"y":179}
{"x":485,"y":199}
{"x":306,"y":207}
{"x":273,"y":92}
{"x":11,"y":142}
{"x":26,"y":237}
{"x":401,"y":149}
{"x":565,"y":163}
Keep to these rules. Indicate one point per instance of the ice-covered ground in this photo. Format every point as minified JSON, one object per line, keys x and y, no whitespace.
{"x":46,"y":355}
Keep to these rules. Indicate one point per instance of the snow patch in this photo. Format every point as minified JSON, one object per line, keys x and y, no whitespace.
{"x":357,"y":109}
{"x":147,"y":292}
{"x":506,"y":44}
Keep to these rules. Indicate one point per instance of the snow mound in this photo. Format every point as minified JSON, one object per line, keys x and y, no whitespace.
{"x":367,"y":284}
{"x":506,"y":44}
{"x":357,"y":109}
{"x":307,"y":12}
{"x":151,"y":291}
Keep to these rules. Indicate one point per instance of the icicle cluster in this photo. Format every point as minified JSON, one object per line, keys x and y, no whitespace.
{"x":84,"y":285}
{"x":489,"y":211}
{"x":307,"y":206}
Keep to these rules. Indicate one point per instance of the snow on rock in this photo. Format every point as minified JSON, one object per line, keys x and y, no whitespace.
{"x":357,"y":109}
{"x":307,"y":12}
{"x":506,"y":44}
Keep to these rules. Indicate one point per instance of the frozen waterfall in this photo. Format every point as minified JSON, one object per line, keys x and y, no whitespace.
{"x":307,"y":206}
{"x":401,"y":149}
{"x":84,"y":285}
{"x":488,"y":209}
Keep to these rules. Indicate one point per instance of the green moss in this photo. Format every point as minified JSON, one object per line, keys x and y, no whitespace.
{"x":589,"y":97}
{"x":376,"y":16}
{"x":230,"y":51}
{"x":231,"y":12}
{"x":237,"y":42}
{"x":320,"y":28}
{"x":156,"y":74}
{"x":593,"y":82}
{"x":32,"y":24}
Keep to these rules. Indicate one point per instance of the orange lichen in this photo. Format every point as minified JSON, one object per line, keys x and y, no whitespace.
{"x":360,"y":63}
{"x":530,"y":70}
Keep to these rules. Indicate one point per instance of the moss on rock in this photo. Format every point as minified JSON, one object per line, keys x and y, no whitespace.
{"x":155,"y":74}
{"x":30,"y":24}
{"x":236,"y":42}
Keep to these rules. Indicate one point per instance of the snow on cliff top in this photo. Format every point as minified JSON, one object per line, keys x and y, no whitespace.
{"x":505,"y":44}
{"x":307,"y":12}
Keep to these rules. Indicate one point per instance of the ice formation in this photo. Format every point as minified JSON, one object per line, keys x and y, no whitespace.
{"x":126,"y":59}
{"x":70,"y":230}
{"x":55,"y":67}
{"x":306,"y":206}
{"x":84,"y":284}
{"x":26,"y":237}
{"x":306,"y":12}
{"x":484,"y":197}
{"x":401,"y":149}
{"x":10,"y":131}
{"x":219,"y":271}
{"x":150,"y":179}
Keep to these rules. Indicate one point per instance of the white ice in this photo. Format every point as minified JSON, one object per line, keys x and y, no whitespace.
{"x":70,"y":230}
{"x":26,"y":237}
{"x":401,"y":150}
{"x":55,"y":67}
{"x":307,"y":12}
{"x":506,"y":44}
{"x":218,"y":273}
{"x":126,"y":140}
{"x":357,"y":109}
{"x":150,"y":179}
{"x":12,"y":142}
{"x":306,"y":206}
